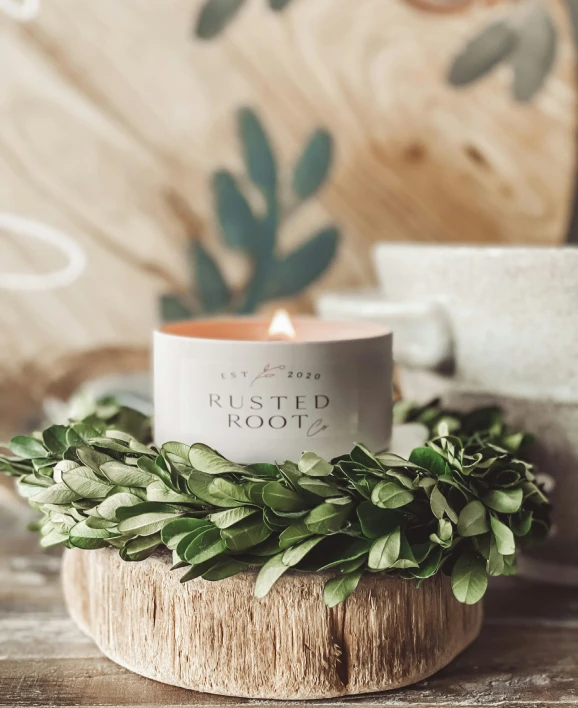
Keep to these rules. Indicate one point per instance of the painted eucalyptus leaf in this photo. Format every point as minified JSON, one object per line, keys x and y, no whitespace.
{"x":533,"y":57}
{"x":215,"y":15}
{"x":239,"y":227}
{"x":314,"y":164}
{"x":493,"y":44}
{"x":173,"y":309}
{"x":211,"y":284}
{"x":278,"y":5}
{"x":258,"y":152}
{"x":293,"y":273}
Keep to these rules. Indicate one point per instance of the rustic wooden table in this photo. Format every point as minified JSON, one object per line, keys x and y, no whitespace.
{"x":527,"y":653}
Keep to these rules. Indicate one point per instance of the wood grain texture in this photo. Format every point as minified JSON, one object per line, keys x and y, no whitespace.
{"x":113,"y":118}
{"x":217,"y":638}
{"x":527,"y":654}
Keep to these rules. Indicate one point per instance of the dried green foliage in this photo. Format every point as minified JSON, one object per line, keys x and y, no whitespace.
{"x":251,"y":210}
{"x":462,"y":505}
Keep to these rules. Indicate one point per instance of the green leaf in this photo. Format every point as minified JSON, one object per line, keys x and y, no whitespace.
{"x":56,"y":494}
{"x":495,"y":565}
{"x":206,"y":545}
{"x":225,"y":569}
{"x":314,"y":164}
{"x":239,"y":227}
{"x":140,"y":548}
{"x":318,"y":487}
{"x":328,"y":518}
{"x":389,"y":495}
{"x":108,"y":508}
{"x":314,"y":466}
{"x":55,"y":439}
{"x":211,"y":285}
{"x":506,"y":501}
{"x":294,"y":534}
{"x":295,"y":272}
{"x":339,"y":589}
{"x":481,"y":54}
{"x":504,"y":537}
{"x":376,"y":522}
{"x":430,"y":460}
{"x":385,"y":551}
{"x":533,"y":57}
{"x":245,"y":534}
{"x":469,"y":579}
{"x":82,"y":536}
{"x":173,"y":309}
{"x":126,"y":475}
{"x":204,"y":488}
{"x":281,"y":499}
{"x":86,"y":483}
{"x":178,"y":529}
{"x":521,"y":523}
{"x":27,"y":447}
{"x":258,"y":152}
{"x":93,"y":458}
{"x":473,"y":520}
{"x":347,"y":550}
{"x":269,"y":574}
{"x":144,"y":519}
{"x":296,"y":554}
{"x":224,"y":519}
{"x":215,"y":15}
{"x":389,"y":460}
{"x":205,"y":459}
{"x":440,"y":506}
{"x":176,"y":451}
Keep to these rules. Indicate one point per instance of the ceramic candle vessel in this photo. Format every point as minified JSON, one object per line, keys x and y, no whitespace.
{"x":226,"y":383}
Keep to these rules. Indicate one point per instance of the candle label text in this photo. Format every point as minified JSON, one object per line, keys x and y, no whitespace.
{"x":274,"y":398}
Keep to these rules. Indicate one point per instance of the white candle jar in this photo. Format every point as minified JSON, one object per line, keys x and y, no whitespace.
{"x":222,"y":382}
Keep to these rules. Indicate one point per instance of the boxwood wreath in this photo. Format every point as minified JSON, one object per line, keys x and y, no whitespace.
{"x":463,"y":504}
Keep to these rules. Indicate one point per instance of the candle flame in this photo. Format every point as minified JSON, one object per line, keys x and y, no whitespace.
{"x":281,"y":327}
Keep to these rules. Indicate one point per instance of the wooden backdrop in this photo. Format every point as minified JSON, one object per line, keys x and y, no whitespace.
{"x":112,"y":117}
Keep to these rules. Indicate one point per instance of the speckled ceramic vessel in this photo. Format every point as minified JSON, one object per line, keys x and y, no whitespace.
{"x":490,"y":325}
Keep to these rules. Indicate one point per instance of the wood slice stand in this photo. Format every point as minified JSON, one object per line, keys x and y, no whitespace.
{"x":217,"y":638}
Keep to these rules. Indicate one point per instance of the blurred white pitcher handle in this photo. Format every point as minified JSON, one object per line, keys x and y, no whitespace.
{"x":422,"y":332}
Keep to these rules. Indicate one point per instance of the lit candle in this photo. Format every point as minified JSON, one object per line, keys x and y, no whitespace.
{"x":260,"y":391}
